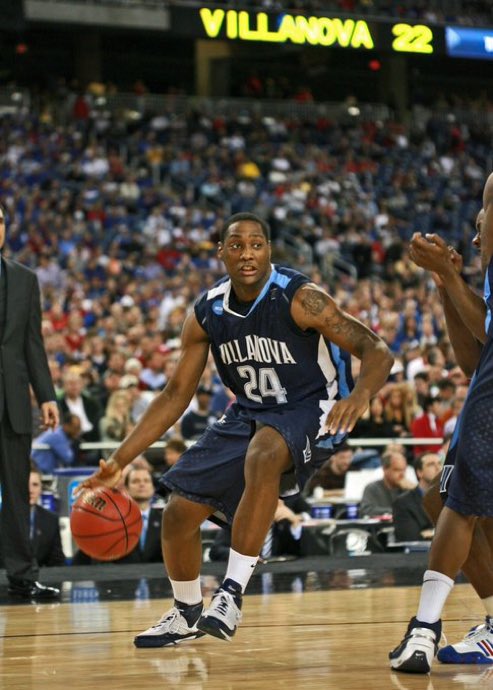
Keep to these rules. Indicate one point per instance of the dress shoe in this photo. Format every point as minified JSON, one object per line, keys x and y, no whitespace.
{"x":30,"y":589}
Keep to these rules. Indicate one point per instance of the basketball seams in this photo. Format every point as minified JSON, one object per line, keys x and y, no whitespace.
{"x":122,"y":534}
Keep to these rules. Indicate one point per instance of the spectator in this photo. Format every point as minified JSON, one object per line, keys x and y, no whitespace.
{"x":378,"y":496}
{"x":173,"y":450}
{"x":332,"y":474}
{"x":411,"y":523}
{"x":138,"y":400}
{"x":194,"y":422}
{"x":76,"y":401}
{"x":45,"y":529}
{"x":114,"y":426}
{"x":374,"y":424}
{"x":428,"y":425}
{"x":283,"y":539}
{"x":61,"y":442}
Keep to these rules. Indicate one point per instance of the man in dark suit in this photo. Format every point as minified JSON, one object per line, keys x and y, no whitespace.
{"x":23,"y":361}
{"x":45,"y":528}
{"x":140,"y":487}
{"x":411,"y":523}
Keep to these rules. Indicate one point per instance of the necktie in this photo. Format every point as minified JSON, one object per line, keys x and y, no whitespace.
{"x":145,"y":520}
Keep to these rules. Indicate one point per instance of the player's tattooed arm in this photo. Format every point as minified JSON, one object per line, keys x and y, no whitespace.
{"x":312,"y":308}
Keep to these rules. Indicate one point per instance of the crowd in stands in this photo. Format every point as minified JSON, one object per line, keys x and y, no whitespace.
{"x":120,"y":220}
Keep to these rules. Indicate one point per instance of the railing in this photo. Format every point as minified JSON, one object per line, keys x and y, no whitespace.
{"x":353,"y":442}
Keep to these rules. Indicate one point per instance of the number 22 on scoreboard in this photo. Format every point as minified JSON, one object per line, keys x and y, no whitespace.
{"x":416,"y":38}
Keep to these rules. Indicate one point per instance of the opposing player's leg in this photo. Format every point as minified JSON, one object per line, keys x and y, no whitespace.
{"x":268,"y":456}
{"x":477,"y":645}
{"x":182,"y":553}
{"x":417,"y":650}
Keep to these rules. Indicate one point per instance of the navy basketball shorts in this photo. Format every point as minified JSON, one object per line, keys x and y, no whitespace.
{"x":212,"y":470}
{"x":470,"y":484}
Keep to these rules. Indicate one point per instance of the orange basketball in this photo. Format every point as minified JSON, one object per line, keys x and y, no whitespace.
{"x":106,"y":523}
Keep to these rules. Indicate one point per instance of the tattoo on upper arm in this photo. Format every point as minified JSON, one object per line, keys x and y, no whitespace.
{"x":349,"y":329}
{"x":313,"y":302}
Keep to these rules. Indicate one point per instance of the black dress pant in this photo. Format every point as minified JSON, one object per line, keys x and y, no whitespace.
{"x":15,"y":451}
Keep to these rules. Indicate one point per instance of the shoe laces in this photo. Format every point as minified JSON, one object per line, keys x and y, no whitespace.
{"x":170,"y":620}
{"x":224,"y":603}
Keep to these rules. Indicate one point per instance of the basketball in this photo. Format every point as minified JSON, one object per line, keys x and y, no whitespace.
{"x":105,"y":523}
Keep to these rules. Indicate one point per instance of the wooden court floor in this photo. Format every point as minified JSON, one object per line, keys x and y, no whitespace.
{"x":335,"y":640}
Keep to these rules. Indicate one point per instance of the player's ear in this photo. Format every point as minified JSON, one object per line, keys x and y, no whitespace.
{"x":220,"y":249}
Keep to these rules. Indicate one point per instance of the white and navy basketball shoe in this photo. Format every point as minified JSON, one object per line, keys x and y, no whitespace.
{"x":417,"y":650}
{"x":176,"y":625}
{"x":223,"y":616}
{"x":475,"y":648}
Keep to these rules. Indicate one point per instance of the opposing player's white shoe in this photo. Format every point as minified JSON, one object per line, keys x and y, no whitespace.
{"x":417,"y":650}
{"x":176,"y":625}
{"x":223,"y":616}
{"x":475,"y":648}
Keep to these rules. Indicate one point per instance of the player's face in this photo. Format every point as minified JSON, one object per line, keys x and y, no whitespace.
{"x":486,"y":238}
{"x":479,"y":226}
{"x":246,"y":255}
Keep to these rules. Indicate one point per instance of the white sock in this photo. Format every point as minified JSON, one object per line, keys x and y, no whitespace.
{"x":187,"y":591}
{"x":488,"y":606}
{"x":434,"y":592}
{"x":240,"y":568}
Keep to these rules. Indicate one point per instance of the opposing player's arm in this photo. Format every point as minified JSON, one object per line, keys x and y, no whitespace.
{"x":433,"y":254}
{"x":466,"y":346}
{"x":313,"y":308}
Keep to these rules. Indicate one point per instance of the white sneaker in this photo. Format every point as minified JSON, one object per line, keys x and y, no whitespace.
{"x":417,"y":650}
{"x":175,"y":626}
{"x":475,"y":648}
{"x":223,"y":616}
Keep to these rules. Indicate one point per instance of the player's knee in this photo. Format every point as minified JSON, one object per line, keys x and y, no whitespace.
{"x":264,"y":465}
{"x":432,"y":502}
{"x":177,"y":516}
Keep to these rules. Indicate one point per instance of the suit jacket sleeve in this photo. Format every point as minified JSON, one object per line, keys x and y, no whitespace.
{"x":409,"y":517}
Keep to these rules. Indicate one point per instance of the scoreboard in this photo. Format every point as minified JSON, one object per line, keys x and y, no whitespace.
{"x":348,"y":33}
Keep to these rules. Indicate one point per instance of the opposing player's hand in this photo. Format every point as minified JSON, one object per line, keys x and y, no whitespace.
{"x":432,"y":253}
{"x":108,"y":474}
{"x":345,"y":413}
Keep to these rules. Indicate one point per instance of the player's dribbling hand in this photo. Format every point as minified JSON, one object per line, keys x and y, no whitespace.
{"x":108,"y":474}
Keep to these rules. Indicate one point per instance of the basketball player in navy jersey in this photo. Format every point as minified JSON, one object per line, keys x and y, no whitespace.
{"x":283,"y":346}
{"x":465,"y":520}
{"x":477,"y":646}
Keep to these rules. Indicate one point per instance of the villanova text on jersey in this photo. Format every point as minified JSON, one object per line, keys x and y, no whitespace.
{"x":264,"y":357}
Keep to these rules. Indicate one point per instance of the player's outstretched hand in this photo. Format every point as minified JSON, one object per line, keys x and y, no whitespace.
{"x":345,"y":413}
{"x":108,"y":474}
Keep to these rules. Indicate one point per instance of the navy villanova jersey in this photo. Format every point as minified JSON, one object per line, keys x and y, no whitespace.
{"x":470,"y":484}
{"x":264,"y":357}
